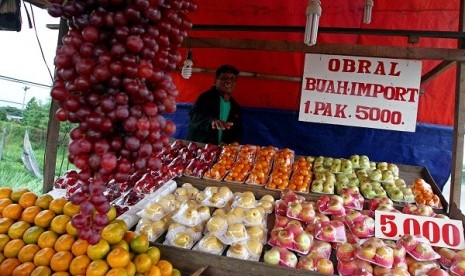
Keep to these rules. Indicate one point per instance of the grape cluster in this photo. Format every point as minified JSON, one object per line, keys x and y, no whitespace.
{"x":113,"y":80}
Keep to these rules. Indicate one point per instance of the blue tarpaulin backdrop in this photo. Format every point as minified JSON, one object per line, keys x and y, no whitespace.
{"x":429,"y":146}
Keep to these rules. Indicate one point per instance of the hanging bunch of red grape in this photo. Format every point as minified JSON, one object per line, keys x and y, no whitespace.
{"x":112,"y":79}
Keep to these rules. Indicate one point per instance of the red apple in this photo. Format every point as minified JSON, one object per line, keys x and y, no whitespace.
{"x":324,"y":266}
{"x":384,"y":256}
{"x":303,"y":242}
{"x":368,"y":251}
{"x":345,"y":251}
{"x":285,"y":238}
{"x":328,"y":232}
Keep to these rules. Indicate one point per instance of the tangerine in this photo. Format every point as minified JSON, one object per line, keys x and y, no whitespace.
{"x":70,"y":209}
{"x":119,"y":271}
{"x":12,"y":248}
{"x":59,"y":223}
{"x":42,"y":271}
{"x":98,"y":250}
{"x":140,"y":244}
{"x":43,"y":201}
{"x":30,"y":213}
{"x":79,"y":247}
{"x":5,"y":224}
{"x":44,"y":218}
{"x":5,"y":192}
{"x":142,"y":262}
{"x":153,"y":271}
{"x":113,"y":233}
{"x":64,"y":243}
{"x":97,"y":268}
{"x":16,"y":194}
{"x":57,"y":205}
{"x":79,"y":265}
{"x":61,"y":261}
{"x":24,"y":269}
{"x":118,"y":257}
{"x":131,"y":269}
{"x":4,"y":202}
{"x":70,"y":229}
{"x":4,"y":239}
{"x":44,"y":256}
{"x":166,"y":268}
{"x":8,"y":265}
{"x":47,"y":239}
{"x":12,"y":211}
{"x":32,"y":234}
{"x":27,"y":253}
{"x":27,"y":199}
{"x":17,"y":229}
{"x":154,"y":254}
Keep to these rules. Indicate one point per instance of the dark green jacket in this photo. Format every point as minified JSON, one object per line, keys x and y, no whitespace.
{"x":207,"y":108}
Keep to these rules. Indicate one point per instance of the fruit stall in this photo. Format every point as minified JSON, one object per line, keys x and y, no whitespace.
{"x":142,"y":200}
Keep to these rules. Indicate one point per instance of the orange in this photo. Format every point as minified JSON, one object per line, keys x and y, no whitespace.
{"x":166,"y":268}
{"x":97,"y":268}
{"x":79,"y":247}
{"x":64,"y":243}
{"x":16,"y":194}
{"x":154,"y":254}
{"x":12,"y":211}
{"x":131,"y":269}
{"x":8,"y":266}
{"x":70,"y":209}
{"x":79,"y":265}
{"x":44,"y":218}
{"x":70,"y":229}
{"x":111,"y":214}
{"x":113,"y":233}
{"x":5,"y":224}
{"x":43,"y":201}
{"x":47,"y":239}
{"x":61,"y":261}
{"x":142,"y":262}
{"x":153,"y":271}
{"x":57,"y":205}
{"x":17,"y":229}
{"x":98,"y":250}
{"x":119,"y":271}
{"x":176,"y":272}
{"x":5,"y":202}
{"x":122,"y":223}
{"x":24,"y":269}
{"x":129,"y":235}
{"x":32,"y":234}
{"x":123,"y":244}
{"x":12,"y":248}
{"x":5,"y":192}
{"x":140,"y":244}
{"x":59,"y":223}
{"x":30,"y":213}
{"x":118,"y":257}
{"x":42,"y":271}
{"x":60,"y":273}
{"x":44,"y":256}
{"x":27,"y":253}
{"x":4,"y":239}
{"x":27,"y":199}
{"x":2,"y":257}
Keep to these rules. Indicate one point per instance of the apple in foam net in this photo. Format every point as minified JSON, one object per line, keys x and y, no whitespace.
{"x":303,"y":242}
{"x":290,"y":259}
{"x":368,"y":251}
{"x":285,"y":238}
{"x":328,"y":232}
{"x":344,"y":251}
{"x":294,"y":209}
{"x":408,"y":241}
{"x":272,"y":256}
{"x":384,"y":255}
{"x":324,"y":266}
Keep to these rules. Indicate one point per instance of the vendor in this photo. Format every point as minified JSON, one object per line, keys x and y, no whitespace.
{"x":215,"y":117}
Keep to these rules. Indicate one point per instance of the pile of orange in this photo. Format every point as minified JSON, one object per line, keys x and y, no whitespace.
{"x":424,"y":193}
{"x":37,"y":238}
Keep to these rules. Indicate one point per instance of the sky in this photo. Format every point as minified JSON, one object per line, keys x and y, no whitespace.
{"x":21,"y":58}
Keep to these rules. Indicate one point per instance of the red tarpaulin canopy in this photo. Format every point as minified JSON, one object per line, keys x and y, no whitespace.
{"x":436,"y":105}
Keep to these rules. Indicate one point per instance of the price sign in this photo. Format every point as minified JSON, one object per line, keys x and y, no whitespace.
{"x":440,"y":232}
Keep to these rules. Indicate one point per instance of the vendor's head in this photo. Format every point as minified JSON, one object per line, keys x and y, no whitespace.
{"x":225,"y":81}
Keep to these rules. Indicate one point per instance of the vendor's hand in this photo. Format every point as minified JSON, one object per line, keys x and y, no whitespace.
{"x":218,"y":124}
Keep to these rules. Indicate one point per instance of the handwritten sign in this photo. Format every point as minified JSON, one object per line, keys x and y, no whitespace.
{"x":440,"y":232}
{"x":359,"y":91}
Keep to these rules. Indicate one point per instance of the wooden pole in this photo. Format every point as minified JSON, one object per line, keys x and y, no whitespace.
{"x":459,"y":122}
{"x":53,"y":131}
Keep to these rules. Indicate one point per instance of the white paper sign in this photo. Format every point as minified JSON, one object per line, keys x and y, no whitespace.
{"x":360,"y":91}
{"x":440,"y":232}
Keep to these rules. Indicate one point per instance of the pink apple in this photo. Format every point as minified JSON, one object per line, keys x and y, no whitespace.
{"x":346,"y":268}
{"x":303,"y":242}
{"x":384,"y":256}
{"x":290,"y":259}
{"x":272,"y":256}
{"x":436,"y":271}
{"x":353,"y":215}
{"x":345,"y":251}
{"x":281,"y":221}
{"x":294,"y":209}
{"x":328,"y":232}
{"x":285,"y":238}
{"x":324,"y":266}
{"x":408,"y":241}
{"x":307,"y":214}
{"x":306,"y":263}
{"x":360,"y":229}
{"x":368,"y":251}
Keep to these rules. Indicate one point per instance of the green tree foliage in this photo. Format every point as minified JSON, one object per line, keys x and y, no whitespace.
{"x":2,"y":115}
{"x":36,"y":115}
